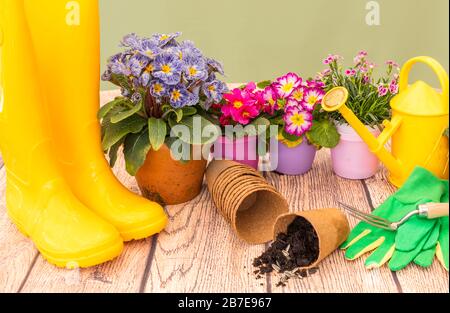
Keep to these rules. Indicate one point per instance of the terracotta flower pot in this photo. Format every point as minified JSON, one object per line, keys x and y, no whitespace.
{"x":167,"y":181}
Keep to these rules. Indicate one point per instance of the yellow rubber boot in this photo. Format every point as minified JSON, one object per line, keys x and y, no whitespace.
{"x":38,"y":200}
{"x":66,"y":39}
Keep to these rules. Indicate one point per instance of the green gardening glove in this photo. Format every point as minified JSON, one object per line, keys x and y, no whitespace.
{"x":440,"y":247}
{"x":416,"y":234}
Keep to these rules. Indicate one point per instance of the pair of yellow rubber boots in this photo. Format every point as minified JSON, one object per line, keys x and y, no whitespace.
{"x":60,"y":190}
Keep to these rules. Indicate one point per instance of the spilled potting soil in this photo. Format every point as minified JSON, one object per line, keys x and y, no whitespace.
{"x":290,"y":253}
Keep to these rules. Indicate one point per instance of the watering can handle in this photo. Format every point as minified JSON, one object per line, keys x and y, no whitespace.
{"x":435,"y":66}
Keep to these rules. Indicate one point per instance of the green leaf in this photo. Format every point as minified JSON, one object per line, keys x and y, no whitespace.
{"x":157,"y":132}
{"x":189,"y":111}
{"x":125,"y":114}
{"x":104,"y":110}
{"x":179,"y":114}
{"x":324,"y":133}
{"x":288,"y":136}
{"x":113,"y":133}
{"x":264,"y":84}
{"x":135,"y":150}
{"x":262,"y":121}
{"x":203,"y":122}
{"x":113,"y":152}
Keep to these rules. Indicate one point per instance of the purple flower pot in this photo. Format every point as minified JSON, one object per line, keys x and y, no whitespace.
{"x":352,"y":158}
{"x":294,"y":161}
{"x":243,"y":150}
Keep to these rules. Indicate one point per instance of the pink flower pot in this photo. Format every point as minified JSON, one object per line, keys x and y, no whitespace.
{"x":352,"y":158}
{"x":243,"y":150}
{"x":294,"y":161}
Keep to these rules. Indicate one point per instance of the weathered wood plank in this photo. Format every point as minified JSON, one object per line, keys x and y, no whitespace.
{"x":199,"y":253}
{"x":413,"y":278}
{"x":121,"y":275}
{"x":17,"y":253}
{"x":321,"y":188}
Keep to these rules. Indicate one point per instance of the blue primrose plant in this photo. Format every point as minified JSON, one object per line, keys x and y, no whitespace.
{"x":164,"y":83}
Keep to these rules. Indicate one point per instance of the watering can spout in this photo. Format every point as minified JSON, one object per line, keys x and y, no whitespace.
{"x":336,"y":99}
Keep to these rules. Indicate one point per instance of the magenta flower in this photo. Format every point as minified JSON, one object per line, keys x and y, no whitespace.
{"x":315,"y":83}
{"x":362,"y":53}
{"x":292,"y":104}
{"x":392,"y":63}
{"x":312,"y":97}
{"x":270,"y":100}
{"x":285,"y":85}
{"x":393,"y":87}
{"x":382,"y":90}
{"x":240,"y":106}
{"x":297,"y":121}
{"x":331,"y":58}
{"x":298,"y":94}
{"x":350,"y":72}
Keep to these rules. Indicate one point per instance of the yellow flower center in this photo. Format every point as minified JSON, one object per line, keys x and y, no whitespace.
{"x":245,"y":114}
{"x":192,"y":71}
{"x":298,"y":120}
{"x":288,"y":87}
{"x":238,"y":104}
{"x":164,"y":37}
{"x":176,"y":95}
{"x":158,"y":88}
{"x":212,"y":88}
{"x":150,"y":53}
{"x":166,"y":69}
{"x":312,"y":100}
{"x":149,"y":68}
{"x":298,"y":95}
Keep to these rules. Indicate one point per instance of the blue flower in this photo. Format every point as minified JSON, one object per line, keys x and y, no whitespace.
{"x":136,"y":97}
{"x":137,"y":64}
{"x":163,"y":39}
{"x":188,"y":48}
{"x":216,"y":66}
{"x":194,"y":97}
{"x":158,"y":89}
{"x":214,"y":91}
{"x":119,"y":65}
{"x":194,"y":68}
{"x":150,"y":49}
{"x":106,"y":76}
{"x":131,"y":41}
{"x":168,"y":68}
{"x":179,"y":96}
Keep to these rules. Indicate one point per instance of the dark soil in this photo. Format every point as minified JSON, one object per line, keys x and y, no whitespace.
{"x":291,"y":252}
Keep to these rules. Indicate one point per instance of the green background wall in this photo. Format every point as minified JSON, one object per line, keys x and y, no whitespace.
{"x":259,"y":39}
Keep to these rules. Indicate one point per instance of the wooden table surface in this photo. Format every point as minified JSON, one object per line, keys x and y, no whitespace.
{"x":198,"y":252}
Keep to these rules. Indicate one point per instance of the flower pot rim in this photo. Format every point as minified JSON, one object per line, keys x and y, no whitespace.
{"x":348,"y":133}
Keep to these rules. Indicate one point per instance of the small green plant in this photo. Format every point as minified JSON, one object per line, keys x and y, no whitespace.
{"x":369,"y":99}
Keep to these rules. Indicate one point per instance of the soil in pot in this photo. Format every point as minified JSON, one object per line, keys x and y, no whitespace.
{"x":290,"y":252}
{"x":168,"y":181}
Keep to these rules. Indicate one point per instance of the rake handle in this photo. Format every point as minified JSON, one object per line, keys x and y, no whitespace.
{"x":434,"y":210}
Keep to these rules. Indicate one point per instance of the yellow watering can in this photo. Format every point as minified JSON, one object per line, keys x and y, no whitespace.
{"x":419,"y":120}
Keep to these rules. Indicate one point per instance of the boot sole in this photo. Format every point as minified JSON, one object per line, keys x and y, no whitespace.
{"x":107,"y":252}
{"x":146,"y":231}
